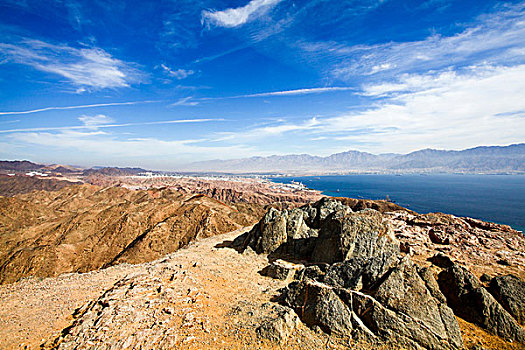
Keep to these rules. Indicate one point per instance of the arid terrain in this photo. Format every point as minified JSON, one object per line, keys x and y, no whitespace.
{"x":157,"y":267}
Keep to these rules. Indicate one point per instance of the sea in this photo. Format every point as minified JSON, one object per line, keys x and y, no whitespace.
{"x":495,"y":198}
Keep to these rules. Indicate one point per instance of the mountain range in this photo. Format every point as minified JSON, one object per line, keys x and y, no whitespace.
{"x":484,"y":159}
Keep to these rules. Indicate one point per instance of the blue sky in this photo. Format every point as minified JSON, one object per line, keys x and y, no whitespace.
{"x":162,"y":83}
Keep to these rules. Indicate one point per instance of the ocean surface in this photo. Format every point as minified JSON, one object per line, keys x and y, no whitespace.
{"x":495,"y":198}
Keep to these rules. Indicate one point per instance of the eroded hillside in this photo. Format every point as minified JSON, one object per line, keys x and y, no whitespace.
{"x":84,"y":227}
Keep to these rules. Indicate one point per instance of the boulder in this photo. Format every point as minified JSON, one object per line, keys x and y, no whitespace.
{"x":405,"y":292}
{"x":279,"y":325}
{"x":317,"y":304}
{"x":509,"y":291}
{"x":472,"y":302}
{"x":345,"y":234}
{"x":346,"y":312}
{"x":270,"y":233}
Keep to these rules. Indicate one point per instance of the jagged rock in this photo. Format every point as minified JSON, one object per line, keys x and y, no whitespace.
{"x":313,"y":272}
{"x":272,"y":230}
{"x":430,"y":281}
{"x":359,"y":273}
{"x":318,"y":305}
{"x":405,"y":292}
{"x":342,"y":311}
{"x":282,"y":270}
{"x":359,"y":253}
{"x":401,"y":329}
{"x":441,"y":260}
{"x":472,"y":302}
{"x":280,"y":325}
{"x":344,"y":235}
{"x":509,"y":291}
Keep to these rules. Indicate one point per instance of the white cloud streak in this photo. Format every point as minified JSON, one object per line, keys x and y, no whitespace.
{"x":57,"y":108}
{"x":297,"y":92}
{"x":98,"y":126}
{"x":234,"y":17}
{"x":91,"y":68}
{"x":178,"y":74}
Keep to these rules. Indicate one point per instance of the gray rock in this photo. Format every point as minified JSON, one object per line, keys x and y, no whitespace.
{"x":472,"y":302}
{"x":400,"y":329}
{"x":312,"y":272}
{"x":318,"y":305}
{"x":279,"y":326}
{"x":270,"y":233}
{"x":430,"y":281}
{"x":282,"y":270}
{"x":406,"y":293}
{"x":509,"y":291}
{"x":360,"y":273}
{"x":344,"y":235}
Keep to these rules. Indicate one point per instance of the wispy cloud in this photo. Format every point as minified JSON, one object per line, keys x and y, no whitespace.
{"x":297,"y":92}
{"x":234,"y":17}
{"x":94,"y":121}
{"x":186,"y":101}
{"x":96,"y":105}
{"x":495,"y":38}
{"x":92,"y":124}
{"x":447,"y":110}
{"x":148,"y":150}
{"x":178,"y":74}
{"x":87,"y":68}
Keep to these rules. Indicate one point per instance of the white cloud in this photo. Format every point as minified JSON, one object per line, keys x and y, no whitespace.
{"x":449,"y":110}
{"x":186,"y":101}
{"x":481,"y":106}
{"x":179,"y":74}
{"x":98,"y":144}
{"x":76,"y":107}
{"x":234,"y":17}
{"x":268,"y":131}
{"x":297,"y":92}
{"x":85,"y":67}
{"x":95,"y":120}
{"x":497,"y":38}
{"x":103,"y":123}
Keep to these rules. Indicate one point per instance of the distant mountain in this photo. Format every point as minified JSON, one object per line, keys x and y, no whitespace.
{"x":113,"y":171}
{"x":19,"y":165}
{"x":25,"y":165}
{"x":484,"y":159}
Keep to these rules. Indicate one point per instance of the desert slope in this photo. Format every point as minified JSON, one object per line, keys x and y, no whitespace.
{"x":84,"y":227}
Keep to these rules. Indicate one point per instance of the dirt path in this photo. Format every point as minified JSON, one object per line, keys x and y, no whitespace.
{"x":203,"y":296}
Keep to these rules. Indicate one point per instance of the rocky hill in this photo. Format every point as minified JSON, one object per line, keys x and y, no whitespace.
{"x":494,"y":159}
{"x":83,"y":228}
{"x":13,"y":185}
{"x":320,"y":276}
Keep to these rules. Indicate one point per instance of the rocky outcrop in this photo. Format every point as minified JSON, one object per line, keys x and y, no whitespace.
{"x":487,"y":247}
{"x":509,"y":291}
{"x":472,"y":302}
{"x":358,"y":284}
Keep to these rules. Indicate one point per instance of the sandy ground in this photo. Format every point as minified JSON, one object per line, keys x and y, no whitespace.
{"x":212,"y":296}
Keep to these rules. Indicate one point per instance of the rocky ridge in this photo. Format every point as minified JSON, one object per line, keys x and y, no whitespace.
{"x":356,"y":283}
